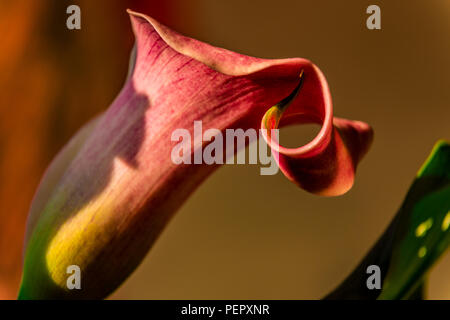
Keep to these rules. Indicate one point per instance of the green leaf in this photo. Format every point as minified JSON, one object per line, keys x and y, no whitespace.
{"x":418,"y":235}
{"x":424,"y":233}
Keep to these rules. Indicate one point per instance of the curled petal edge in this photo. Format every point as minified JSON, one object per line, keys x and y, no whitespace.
{"x":326,"y":165}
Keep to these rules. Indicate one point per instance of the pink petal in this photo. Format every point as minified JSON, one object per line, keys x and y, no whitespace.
{"x":104,"y":203}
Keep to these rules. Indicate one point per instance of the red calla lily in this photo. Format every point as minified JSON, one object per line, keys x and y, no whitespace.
{"x":108,"y":194}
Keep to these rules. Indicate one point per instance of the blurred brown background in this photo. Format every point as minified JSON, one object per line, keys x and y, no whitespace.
{"x":241,"y":235}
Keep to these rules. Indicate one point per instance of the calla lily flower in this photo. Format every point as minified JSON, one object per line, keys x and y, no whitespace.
{"x":110,"y":192}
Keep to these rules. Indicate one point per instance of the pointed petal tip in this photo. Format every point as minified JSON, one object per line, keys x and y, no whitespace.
{"x":357,"y":135}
